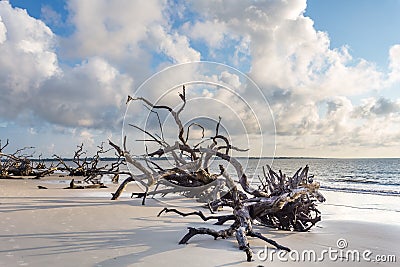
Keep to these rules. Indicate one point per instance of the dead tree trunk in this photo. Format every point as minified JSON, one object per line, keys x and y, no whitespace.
{"x":283,"y":202}
{"x":20,"y":164}
{"x":288,"y":209}
{"x":121,"y":188}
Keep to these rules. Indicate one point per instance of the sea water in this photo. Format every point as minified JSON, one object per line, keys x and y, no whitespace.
{"x":372,"y":176}
{"x":376,"y":176}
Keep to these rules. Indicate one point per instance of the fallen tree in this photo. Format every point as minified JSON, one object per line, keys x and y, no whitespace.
{"x":287,"y":203}
{"x":80,"y":185}
{"x":92,"y":169}
{"x":190,"y":174}
{"x":292,"y":207}
{"x":21,"y":164}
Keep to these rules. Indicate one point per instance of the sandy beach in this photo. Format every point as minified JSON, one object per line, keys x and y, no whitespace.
{"x":273,"y":104}
{"x":58,"y":227}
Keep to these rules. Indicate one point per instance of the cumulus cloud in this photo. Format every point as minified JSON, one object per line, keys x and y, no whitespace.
{"x":307,"y":82}
{"x":385,"y":106}
{"x":212,"y":32}
{"x":3,"y":31}
{"x":377,"y":107}
{"x":91,"y":94}
{"x":107,"y":29}
{"x":50,"y":16}
{"x":27,"y":58}
{"x":173,"y":45}
{"x":87,"y":138}
{"x":123,"y":31}
{"x":394,"y":65}
{"x":115,"y":45}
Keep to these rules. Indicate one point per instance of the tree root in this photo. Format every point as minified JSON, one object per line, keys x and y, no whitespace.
{"x":241,"y":236}
{"x":221,"y":218}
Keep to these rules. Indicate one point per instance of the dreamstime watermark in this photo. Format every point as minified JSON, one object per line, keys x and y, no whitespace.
{"x":340,"y":253}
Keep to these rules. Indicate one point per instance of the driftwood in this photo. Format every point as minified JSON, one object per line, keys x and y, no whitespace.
{"x":121,"y":188}
{"x":191,"y":178}
{"x":280,"y":201}
{"x":90,"y":167}
{"x":73,"y":185}
{"x":21,"y":164}
{"x":292,"y":208}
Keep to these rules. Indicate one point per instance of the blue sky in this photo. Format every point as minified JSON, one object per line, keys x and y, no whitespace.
{"x":367,"y":27}
{"x":330,"y":69}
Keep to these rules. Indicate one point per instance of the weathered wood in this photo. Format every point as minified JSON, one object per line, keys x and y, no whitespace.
{"x":121,"y":188}
{"x":205,"y":231}
{"x":73,"y":185}
{"x":20,"y":164}
{"x":281,"y":201}
{"x":289,"y":206}
{"x":220,"y":218}
{"x":90,"y":168}
{"x":241,"y":228}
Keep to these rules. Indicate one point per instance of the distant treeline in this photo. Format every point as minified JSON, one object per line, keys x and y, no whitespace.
{"x":71,"y":159}
{"x":164,"y":158}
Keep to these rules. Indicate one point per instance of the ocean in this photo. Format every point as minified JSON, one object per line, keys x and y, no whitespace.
{"x":372,"y":176}
{"x":369,"y":176}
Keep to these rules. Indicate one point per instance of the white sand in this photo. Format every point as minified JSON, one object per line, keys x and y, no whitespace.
{"x":58,"y":227}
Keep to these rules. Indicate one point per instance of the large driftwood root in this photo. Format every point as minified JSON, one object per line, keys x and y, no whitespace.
{"x":280,"y":201}
{"x":289,"y":204}
{"x":241,"y":228}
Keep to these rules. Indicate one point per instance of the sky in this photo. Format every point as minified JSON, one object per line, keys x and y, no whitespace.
{"x":327,"y":73}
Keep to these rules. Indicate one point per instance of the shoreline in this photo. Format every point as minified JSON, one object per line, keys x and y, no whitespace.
{"x":85,"y":228}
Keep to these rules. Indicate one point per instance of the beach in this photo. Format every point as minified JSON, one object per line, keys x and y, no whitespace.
{"x":60,"y":227}
{"x":260,"y":108}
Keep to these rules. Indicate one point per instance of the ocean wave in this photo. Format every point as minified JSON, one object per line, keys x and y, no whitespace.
{"x":388,"y":192}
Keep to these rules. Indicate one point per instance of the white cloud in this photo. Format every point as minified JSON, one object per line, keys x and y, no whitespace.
{"x":230,"y":79}
{"x":127,"y":34}
{"x":111,"y":29}
{"x":27,"y":58}
{"x":394,"y":65}
{"x":299,"y":72}
{"x":90,"y":95}
{"x":50,"y":16}
{"x":372,"y":107}
{"x":117,"y":31}
{"x":87,"y":138}
{"x":211,"y":31}
{"x":311,"y":87}
{"x":173,"y":45}
{"x":3,"y":31}
{"x":33,"y":85}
